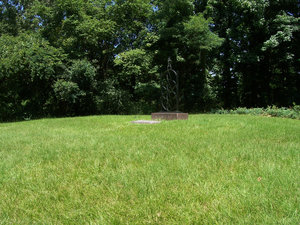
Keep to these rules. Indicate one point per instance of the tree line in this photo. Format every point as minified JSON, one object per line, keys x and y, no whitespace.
{"x":81,"y":57}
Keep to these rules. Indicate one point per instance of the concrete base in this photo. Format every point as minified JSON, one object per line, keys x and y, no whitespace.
{"x":169,"y":116}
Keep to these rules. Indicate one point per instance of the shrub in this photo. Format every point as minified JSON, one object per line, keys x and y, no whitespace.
{"x":293,"y":112}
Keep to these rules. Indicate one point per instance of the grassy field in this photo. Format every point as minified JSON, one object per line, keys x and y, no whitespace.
{"x":211,"y":169}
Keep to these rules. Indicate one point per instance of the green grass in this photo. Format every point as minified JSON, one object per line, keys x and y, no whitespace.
{"x":211,"y":169}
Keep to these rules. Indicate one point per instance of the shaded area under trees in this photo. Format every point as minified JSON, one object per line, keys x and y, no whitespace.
{"x":80,"y":57}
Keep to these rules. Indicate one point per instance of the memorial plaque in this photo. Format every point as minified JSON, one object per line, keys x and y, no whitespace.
{"x":145,"y":122}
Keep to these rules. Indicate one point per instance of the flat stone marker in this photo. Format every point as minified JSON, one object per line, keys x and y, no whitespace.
{"x":145,"y":121}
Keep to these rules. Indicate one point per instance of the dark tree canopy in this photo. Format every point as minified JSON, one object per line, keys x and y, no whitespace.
{"x":80,"y":57}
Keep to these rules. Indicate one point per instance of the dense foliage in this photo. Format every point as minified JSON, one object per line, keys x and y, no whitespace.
{"x":79,"y":57}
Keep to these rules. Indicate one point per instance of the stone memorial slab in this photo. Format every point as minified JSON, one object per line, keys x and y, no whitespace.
{"x":145,"y":122}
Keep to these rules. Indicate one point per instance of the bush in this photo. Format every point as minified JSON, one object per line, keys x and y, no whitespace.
{"x":293,"y":112}
{"x":74,"y":91}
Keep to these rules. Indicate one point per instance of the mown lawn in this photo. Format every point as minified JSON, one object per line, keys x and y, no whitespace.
{"x":211,"y":169}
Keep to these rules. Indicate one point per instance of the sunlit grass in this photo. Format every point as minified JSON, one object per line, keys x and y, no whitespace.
{"x":225,"y":169}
